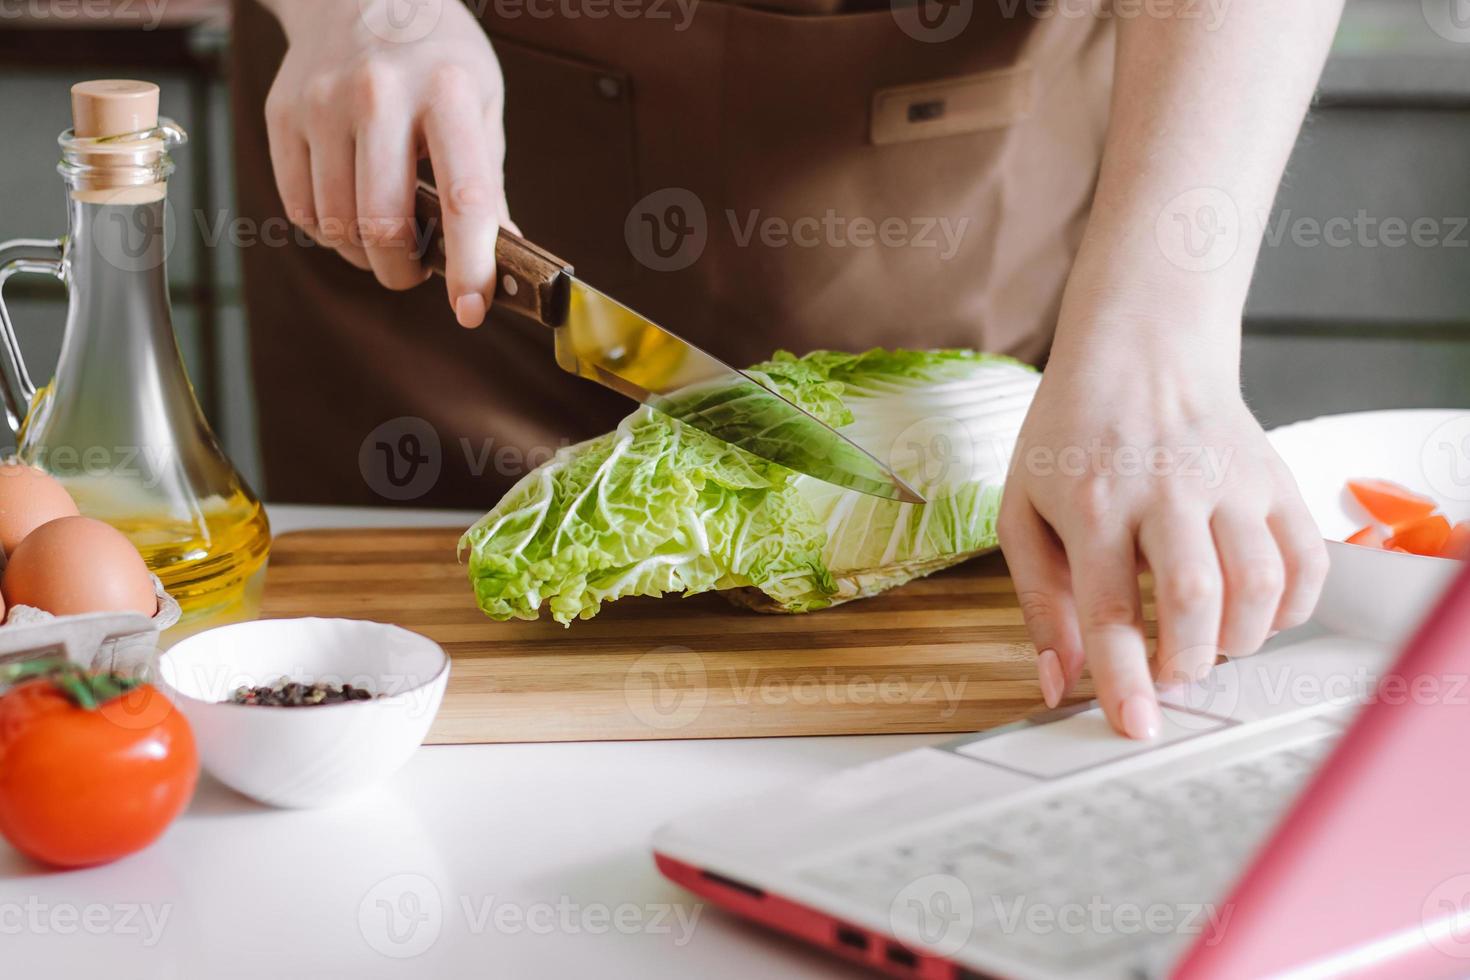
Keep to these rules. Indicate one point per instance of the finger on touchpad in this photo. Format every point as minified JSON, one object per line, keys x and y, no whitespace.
{"x":1079,"y":741}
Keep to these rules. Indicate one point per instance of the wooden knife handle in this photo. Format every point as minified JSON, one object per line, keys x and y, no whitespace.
{"x":528,"y":279}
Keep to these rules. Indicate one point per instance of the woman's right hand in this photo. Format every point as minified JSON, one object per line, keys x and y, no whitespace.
{"x":353,"y":109}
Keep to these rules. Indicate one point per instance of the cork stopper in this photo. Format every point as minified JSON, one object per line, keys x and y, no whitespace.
{"x":112,"y":107}
{"x":115,"y":171}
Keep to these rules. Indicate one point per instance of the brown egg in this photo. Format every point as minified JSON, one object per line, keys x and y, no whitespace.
{"x":28,"y":499}
{"x":78,"y":565}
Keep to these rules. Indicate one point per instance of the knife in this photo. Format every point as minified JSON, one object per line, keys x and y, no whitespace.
{"x":600,"y":339}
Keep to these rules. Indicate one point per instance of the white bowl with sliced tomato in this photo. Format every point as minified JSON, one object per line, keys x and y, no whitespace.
{"x":1390,"y":491}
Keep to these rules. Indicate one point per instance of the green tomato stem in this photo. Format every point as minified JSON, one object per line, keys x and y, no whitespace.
{"x":84,"y":689}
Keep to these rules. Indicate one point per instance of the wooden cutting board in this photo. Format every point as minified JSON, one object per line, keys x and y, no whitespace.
{"x":943,"y":654}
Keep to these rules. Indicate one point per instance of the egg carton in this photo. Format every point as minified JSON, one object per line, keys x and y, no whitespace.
{"x":123,"y":643}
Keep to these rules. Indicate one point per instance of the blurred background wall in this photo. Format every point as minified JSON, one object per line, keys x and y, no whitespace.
{"x":1341,"y":316}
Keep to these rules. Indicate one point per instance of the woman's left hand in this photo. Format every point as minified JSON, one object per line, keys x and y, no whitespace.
{"x":1139,"y":454}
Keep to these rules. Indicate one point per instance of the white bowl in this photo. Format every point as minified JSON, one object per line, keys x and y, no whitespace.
{"x":306,"y":756}
{"x":1371,"y":593}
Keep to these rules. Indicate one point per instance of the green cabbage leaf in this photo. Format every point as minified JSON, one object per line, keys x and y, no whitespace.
{"x":657,"y":507}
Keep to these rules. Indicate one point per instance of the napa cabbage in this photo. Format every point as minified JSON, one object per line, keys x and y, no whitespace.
{"x":657,"y":507}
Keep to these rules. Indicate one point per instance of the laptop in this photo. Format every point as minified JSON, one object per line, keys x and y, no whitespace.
{"x":1305,"y":812}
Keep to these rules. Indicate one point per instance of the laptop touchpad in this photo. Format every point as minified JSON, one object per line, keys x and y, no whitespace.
{"x":1077,"y":742}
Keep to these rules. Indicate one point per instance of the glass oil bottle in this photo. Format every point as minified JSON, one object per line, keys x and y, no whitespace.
{"x":118,"y":423}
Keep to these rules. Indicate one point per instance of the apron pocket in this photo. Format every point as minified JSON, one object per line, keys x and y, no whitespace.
{"x":865,"y":179}
{"x":988,"y":100}
{"x":569,"y":168}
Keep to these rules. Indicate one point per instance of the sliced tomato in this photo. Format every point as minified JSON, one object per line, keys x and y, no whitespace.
{"x":1390,"y":503}
{"x":1368,"y":537}
{"x":1458,"y":543}
{"x":1426,"y":536}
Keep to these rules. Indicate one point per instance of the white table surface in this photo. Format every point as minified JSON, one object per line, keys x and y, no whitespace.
{"x":498,"y":861}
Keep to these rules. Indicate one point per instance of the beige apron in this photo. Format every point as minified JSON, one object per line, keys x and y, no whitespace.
{"x":753,"y":179}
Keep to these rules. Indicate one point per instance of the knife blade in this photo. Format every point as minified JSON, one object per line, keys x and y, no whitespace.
{"x":600,"y":339}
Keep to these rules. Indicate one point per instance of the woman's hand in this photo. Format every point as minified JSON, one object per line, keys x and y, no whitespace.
{"x":1138,"y":449}
{"x":352,"y":111}
{"x":1135,"y":453}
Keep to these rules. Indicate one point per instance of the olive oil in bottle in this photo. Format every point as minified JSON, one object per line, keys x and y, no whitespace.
{"x":118,"y":423}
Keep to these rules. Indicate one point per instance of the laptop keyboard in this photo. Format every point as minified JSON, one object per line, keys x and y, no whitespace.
{"x":1086,"y":874}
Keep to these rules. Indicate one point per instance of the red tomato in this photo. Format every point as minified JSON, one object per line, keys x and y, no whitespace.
{"x":81,"y":787}
{"x":1426,"y":536}
{"x":1458,"y":544}
{"x":1390,"y":503}
{"x":1368,"y":537}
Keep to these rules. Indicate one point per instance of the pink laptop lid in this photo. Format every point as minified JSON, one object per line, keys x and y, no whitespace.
{"x":1369,"y":875}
